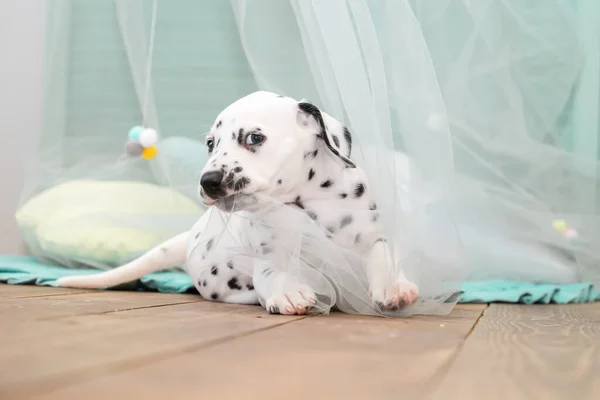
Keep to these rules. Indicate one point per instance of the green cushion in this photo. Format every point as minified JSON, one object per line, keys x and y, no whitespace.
{"x":103,"y":223}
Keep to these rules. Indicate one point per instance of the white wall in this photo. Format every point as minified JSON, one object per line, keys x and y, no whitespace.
{"x":22,"y":24}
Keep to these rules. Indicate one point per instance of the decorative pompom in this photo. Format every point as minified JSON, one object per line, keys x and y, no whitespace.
{"x":133,"y":148}
{"x":437,"y":122}
{"x":149,"y":153}
{"x":148,"y":137}
{"x":571,"y":233}
{"x":134,"y":133}
{"x":560,"y":226}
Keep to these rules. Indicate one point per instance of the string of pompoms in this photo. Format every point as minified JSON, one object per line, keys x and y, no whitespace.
{"x":142,"y":140}
{"x":561,"y":227}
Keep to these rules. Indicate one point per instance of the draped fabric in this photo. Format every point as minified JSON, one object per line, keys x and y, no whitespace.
{"x":495,"y":101}
{"x":477,"y":122}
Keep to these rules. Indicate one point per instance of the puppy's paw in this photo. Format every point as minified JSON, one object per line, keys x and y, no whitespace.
{"x":291,"y":303}
{"x":393,"y":297}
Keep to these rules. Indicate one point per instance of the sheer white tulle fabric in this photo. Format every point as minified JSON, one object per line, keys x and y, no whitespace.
{"x":466,"y":116}
{"x":273,"y":235}
{"x":483,"y":96}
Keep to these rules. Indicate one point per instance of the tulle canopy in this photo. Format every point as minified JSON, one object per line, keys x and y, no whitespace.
{"x":476,"y":122}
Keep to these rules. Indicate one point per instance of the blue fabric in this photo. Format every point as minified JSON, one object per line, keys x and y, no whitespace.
{"x":19,"y":270}
{"x":27,"y":270}
{"x":528,"y":293}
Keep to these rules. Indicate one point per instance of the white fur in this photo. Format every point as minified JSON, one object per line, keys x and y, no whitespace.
{"x":293,"y":165}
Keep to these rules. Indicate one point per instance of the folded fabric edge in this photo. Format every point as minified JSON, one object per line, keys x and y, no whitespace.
{"x":27,"y":270}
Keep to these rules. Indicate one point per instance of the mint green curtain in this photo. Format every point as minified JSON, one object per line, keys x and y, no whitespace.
{"x":96,"y":59}
{"x":198,"y":67}
{"x":88,"y":70}
{"x":496,"y":101}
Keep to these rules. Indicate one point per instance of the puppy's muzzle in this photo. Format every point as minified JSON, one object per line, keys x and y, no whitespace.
{"x":212,"y":184}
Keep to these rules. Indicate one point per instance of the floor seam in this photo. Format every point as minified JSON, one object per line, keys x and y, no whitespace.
{"x":45,"y":295}
{"x":437,"y":378}
{"x":50,"y":384}
{"x":120,"y":310}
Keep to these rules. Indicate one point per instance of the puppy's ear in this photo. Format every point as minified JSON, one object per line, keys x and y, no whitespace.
{"x":309,"y":116}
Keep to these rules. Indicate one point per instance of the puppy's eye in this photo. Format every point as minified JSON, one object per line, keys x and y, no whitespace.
{"x":210,"y":143}
{"x":254,"y":138}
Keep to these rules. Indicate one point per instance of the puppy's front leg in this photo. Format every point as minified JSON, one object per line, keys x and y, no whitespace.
{"x":390,"y":289}
{"x":280,"y":292}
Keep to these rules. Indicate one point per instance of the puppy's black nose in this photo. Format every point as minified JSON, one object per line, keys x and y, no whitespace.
{"x":211,"y":183}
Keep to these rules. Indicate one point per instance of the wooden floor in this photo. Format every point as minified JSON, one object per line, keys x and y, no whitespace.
{"x":75,"y":344}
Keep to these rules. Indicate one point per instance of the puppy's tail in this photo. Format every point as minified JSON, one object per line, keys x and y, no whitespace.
{"x":168,"y":254}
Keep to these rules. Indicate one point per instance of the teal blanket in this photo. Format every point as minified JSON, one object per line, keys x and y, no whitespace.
{"x":27,"y":270}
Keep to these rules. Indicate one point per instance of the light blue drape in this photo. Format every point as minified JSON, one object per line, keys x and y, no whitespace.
{"x":501,"y":97}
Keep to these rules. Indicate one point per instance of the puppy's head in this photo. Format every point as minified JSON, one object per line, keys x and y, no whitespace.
{"x":260,"y":144}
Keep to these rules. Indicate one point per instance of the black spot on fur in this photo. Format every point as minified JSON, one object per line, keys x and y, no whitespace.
{"x":241,"y":183}
{"x":218,"y":143}
{"x":343,"y":195}
{"x":164,"y":249}
{"x":214,"y":270}
{"x":375,"y":217}
{"x":237,"y":170}
{"x":250,"y":286}
{"x":233,"y":135}
{"x":273,"y":310}
{"x":359,"y":190}
{"x":372,"y":206}
{"x":279,"y":182}
{"x":311,"y":173}
{"x":347,"y":220}
{"x":357,"y":238}
{"x":204,"y":283}
{"x":209,"y":244}
{"x":230,"y":264}
{"x":230,"y":179}
{"x":381,"y":240}
{"x":311,"y":214}
{"x":214,"y":296}
{"x":331,"y":229}
{"x":240,"y":136}
{"x":298,"y":203}
{"x":267,"y":272}
{"x":336,"y":141}
{"x":348,"y":138}
{"x":312,"y":154}
{"x":224,"y":154}
{"x":197,"y":235}
{"x":219,"y":123}
{"x":234,"y":284}
{"x":327,"y":183}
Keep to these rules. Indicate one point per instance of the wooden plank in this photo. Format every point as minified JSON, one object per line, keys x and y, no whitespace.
{"x":335,"y":356}
{"x":18,"y":291}
{"x":529,"y":352}
{"x":93,"y":302}
{"x":41,"y":355}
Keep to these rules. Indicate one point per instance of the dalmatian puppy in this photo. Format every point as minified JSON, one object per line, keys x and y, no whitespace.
{"x":277,"y":147}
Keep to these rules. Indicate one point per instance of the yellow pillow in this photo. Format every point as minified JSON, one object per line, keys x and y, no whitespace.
{"x":103,"y":223}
